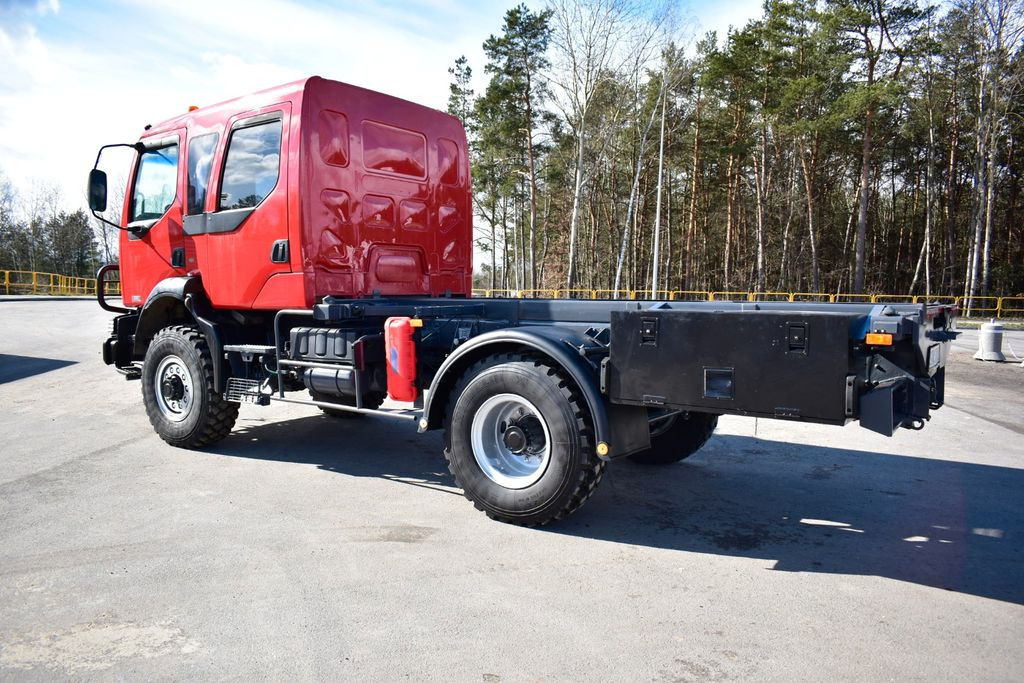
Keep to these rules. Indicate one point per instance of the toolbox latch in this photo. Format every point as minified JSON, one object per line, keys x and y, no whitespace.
{"x":797,"y":338}
{"x":648,"y":331}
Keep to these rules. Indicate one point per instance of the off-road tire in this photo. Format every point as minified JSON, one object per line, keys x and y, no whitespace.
{"x":372,"y":400}
{"x":679,"y":440}
{"x":209,"y":418}
{"x":573,"y":469}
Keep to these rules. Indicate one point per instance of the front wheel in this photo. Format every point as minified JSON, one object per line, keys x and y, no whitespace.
{"x":519,"y":441}
{"x":178,"y":391}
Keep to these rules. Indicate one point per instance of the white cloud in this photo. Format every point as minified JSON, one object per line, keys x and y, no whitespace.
{"x":83,"y":76}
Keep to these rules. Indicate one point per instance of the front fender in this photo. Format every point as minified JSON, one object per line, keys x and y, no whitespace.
{"x":180,"y":299}
{"x":556,"y":343}
{"x":165,"y":304}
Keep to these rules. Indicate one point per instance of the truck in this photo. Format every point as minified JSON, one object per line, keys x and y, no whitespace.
{"x":312,"y":243}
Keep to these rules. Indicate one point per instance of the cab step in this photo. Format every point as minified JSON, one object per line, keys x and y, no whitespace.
{"x":240,"y":390}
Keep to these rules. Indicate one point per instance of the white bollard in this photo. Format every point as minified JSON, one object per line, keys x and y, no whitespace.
{"x":990,"y":342}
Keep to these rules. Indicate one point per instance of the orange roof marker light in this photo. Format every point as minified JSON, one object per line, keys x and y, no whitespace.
{"x":192,"y":107}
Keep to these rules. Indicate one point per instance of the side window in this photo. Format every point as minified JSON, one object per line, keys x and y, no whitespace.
{"x":200,"y":167}
{"x":156,"y":183}
{"x":251,"y":166}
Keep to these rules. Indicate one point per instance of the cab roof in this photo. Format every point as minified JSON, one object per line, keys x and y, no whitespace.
{"x":225,"y":109}
{"x":217,"y":113}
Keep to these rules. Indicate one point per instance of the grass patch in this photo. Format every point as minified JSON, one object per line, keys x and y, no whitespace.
{"x":975,"y":323}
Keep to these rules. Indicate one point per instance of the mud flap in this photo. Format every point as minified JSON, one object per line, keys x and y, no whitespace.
{"x":877,"y":410}
{"x":630,"y":429}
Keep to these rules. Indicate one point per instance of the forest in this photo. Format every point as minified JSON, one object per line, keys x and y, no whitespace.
{"x":38,"y":234}
{"x":842,"y":146}
{"x":839,"y":146}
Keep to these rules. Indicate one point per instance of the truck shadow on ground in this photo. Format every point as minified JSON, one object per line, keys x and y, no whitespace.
{"x":19,"y":367}
{"x":950,"y":525}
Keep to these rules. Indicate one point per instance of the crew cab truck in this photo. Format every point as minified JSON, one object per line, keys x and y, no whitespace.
{"x":312,"y":244}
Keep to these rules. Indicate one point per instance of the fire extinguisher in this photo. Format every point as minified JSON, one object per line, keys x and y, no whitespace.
{"x":401,"y":354}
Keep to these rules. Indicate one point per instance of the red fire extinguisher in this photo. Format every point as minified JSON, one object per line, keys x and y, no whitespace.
{"x":401,"y":352}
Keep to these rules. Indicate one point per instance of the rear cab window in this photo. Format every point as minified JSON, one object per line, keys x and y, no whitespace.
{"x":251,"y":165}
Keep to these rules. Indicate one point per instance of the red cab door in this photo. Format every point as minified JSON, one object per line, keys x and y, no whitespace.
{"x":241,"y":239}
{"x":153,"y":246}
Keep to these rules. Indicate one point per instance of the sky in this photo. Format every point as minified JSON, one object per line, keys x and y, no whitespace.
{"x":77,"y":75}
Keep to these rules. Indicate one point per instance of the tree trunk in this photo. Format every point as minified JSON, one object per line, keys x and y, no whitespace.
{"x":494,"y":250}
{"x":862,"y":207}
{"x":532,"y":170}
{"x":691,"y":228}
{"x":574,"y":216}
{"x":980,"y":192}
{"x":990,"y":182}
{"x":631,"y":205}
{"x":760,"y":174}
{"x":728,"y":224}
{"x":807,"y":164}
{"x":656,"y":253}
{"x":949,"y":276}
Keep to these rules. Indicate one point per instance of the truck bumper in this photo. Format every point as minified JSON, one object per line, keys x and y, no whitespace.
{"x":118,"y":347}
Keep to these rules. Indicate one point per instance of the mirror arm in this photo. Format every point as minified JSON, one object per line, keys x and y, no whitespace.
{"x":113,"y":225}
{"x":138,"y":147}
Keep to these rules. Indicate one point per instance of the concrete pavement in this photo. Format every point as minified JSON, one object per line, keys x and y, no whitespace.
{"x":312,"y":548}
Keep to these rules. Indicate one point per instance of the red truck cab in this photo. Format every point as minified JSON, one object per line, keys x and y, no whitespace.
{"x":309,"y":189}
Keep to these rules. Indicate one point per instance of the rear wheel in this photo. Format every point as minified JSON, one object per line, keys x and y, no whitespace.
{"x":178,"y":391}
{"x":676,"y":436}
{"x":519,"y":442}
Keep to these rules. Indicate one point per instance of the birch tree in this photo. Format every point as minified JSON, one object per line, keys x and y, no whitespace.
{"x":594,"y":41}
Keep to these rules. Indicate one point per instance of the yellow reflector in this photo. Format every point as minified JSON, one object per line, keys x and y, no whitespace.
{"x":602,"y":448}
{"x":877,"y":339}
{"x":415,"y":322}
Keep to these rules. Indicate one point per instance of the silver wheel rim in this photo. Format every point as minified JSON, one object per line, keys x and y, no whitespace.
{"x":172,"y":406}
{"x":498,"y":426}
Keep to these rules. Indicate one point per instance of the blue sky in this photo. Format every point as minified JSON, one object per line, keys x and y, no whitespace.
{"x":80,"y":74}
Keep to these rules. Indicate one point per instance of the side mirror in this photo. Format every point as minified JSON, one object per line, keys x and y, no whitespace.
{"x":97,"y":190}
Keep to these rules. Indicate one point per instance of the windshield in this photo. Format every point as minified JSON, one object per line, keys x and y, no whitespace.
{"x":155,"y":183}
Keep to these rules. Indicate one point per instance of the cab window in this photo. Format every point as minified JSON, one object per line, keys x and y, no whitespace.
{"x":156,"y":183}
{"x":200,"y":167}
{"x":251,"y":166}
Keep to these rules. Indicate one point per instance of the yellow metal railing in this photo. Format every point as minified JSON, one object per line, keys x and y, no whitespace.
{"x":53,"y":284}
{"x":983,"y":306}
{"x":1011,"y":306}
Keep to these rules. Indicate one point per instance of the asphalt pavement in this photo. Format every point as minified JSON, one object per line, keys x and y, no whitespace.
{"x":306,"y":547}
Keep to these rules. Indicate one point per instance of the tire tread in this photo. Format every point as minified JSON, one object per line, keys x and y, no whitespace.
{"x":221,"y":414}
{"x":591,"y":469}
